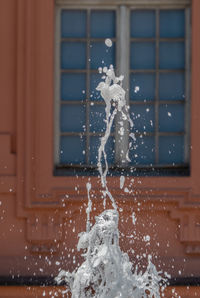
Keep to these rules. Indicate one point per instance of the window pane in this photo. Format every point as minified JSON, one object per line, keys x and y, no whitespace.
{"x":172,"y":23}
{"x":95,"y":79}
{"x":142,"y":152}
{"x":171,"y":86}
{"x":73,"y":55}
{"x":102,"y":24}
{"x":143,"y":55}
{"x":73,"y":23}
{"x":143,"y":23}
{"x":72,"y":150}
{"x":146,"y":84}
{"x":171,"y":118}
{"x":143,"y":117}
{"x":73,"y":86}
{"x":172,"y":55}
{"x":94,"y":146}
{"x":101,"y":55}
{"x":171,"y":150}
{"x":72,"y":118}
{"x":97,"y":116}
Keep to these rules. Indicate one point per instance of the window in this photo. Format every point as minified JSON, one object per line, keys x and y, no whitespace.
{"x":150,"y":47}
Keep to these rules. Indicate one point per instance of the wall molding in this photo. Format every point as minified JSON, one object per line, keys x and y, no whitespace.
{"x":39,"y":193}
{"x":135,"y":3}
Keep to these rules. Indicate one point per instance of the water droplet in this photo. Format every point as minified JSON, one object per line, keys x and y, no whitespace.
{"x":137,"y":89}
{"x":108,"y":42}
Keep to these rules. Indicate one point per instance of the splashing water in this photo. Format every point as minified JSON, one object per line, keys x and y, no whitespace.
{"x":114,"y":96}
{"x":106,"y":271}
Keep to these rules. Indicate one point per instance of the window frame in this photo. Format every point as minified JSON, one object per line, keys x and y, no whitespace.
{"x":123,"y":67}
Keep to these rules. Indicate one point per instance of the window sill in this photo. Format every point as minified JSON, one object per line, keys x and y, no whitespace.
{"x":180,"y":171}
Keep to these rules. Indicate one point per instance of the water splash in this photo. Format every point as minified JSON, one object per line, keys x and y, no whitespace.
{"x":114,"y":96}
{"x":89,"y":208}
{"x":106,"y":271}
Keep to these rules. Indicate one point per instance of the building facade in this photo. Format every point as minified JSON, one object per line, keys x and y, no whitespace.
{"x":46,"y":84}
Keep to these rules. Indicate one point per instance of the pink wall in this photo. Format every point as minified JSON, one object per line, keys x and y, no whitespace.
{"x":36,"y":218}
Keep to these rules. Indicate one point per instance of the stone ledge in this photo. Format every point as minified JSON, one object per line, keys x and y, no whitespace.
{"x":56,"y":291}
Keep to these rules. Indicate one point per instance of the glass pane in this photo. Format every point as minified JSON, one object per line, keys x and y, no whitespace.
{"x":171,"y":118}
{"x":143,"y":117}
{"x":72,"y":150}
{"x":142,"y":151}
{"x":102,"y":23}
{"x":172,"y":23}
{"x":73,"y":55}
{"x":143,"y":23}
{"x":146,"y":85}
{"x":97,"y":116}
{"x":101,"y":55}
{"x":172,"y":86}
{"x":142,"y":55}
{"x":73,"y":23}
{"x":72,"y":118}
{"x":172,"y":55}
{"x":73,"y":86}
{"x":171,"y":150}
{"x":109,"y":148}
{"x":95,"y":79}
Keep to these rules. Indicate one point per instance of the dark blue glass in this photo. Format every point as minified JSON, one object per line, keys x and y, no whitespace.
{"x":95,"y":79}
{"x":109,"y":149}
{"x":73,"y":23}
{"x":72,"y":150}
{"x":146,"y":84}
{"x":101,"y":55}
{"x":142,"y":55}
{"x":73,"y":86}
{"x":172,"y":55}
{"x":172,"y":86}
{"x":143,"y":23}
{"x":72,"y":118}
{"x":142,"y":151}
{"x":73,"y":55}
{"x":172,"y":23}
{"x":171,"y":150}
{"x":102,"y":23}
{"x":97,"y":116}
{"x":171,"y":118}
{"x":143,"y":117}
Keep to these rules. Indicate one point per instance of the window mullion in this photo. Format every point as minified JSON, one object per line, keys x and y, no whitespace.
{"x":88,"y":89}
{"x":187,"y":84}
{"x":123,"y":54}
{"x":57,"y":87}
{"x":157,"y":88}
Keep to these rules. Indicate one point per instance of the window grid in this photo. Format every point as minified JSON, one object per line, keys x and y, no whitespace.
{"x":87,"y":101}
{"x":156,"y":102}
{"x":88,"y":71}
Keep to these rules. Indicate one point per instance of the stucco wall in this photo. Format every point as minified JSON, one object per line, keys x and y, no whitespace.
{"x":36,"y":216}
